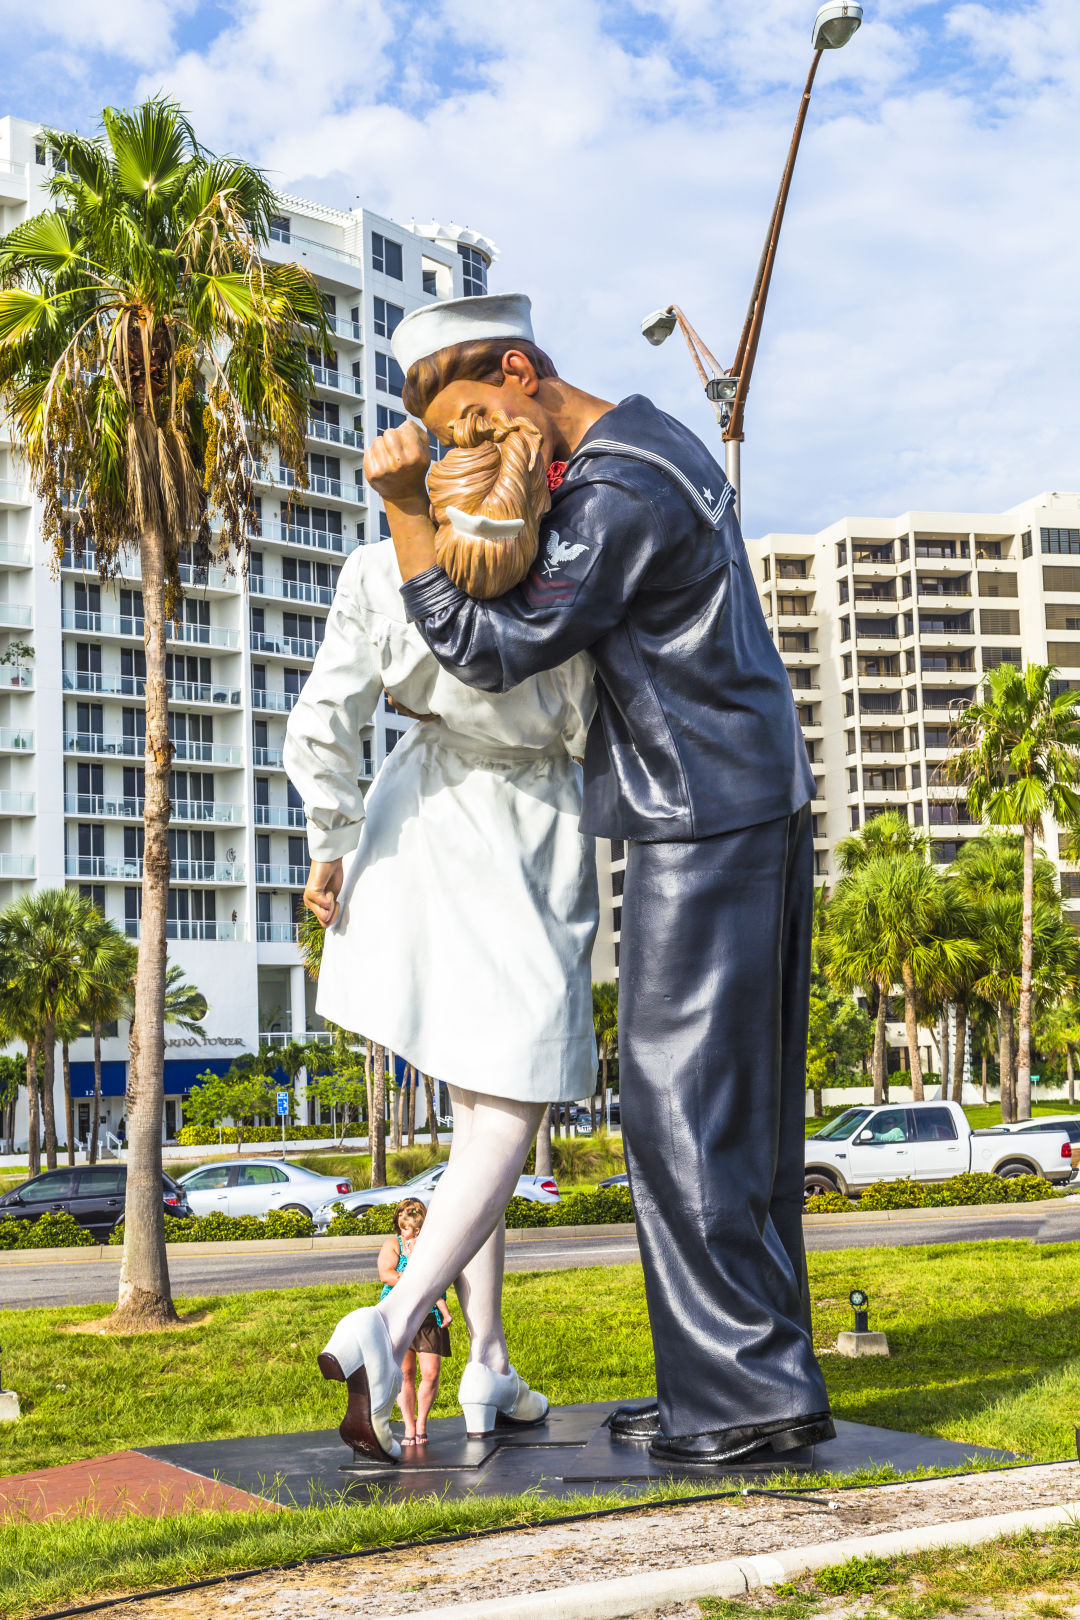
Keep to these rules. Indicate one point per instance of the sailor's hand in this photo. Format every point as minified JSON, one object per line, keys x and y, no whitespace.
{"x":396,"y":466}
{"x":322,"y":889}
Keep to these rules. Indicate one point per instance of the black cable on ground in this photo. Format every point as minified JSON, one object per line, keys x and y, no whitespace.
{"x":482,"y":1535}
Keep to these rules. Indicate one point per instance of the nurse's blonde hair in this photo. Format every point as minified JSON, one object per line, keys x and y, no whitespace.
{"x":495,"y":470}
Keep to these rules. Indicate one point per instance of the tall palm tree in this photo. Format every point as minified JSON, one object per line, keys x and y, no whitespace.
{"x":888,"y":834}
{"x":148,"y":358}
{"x":1018,"y":754}
{"x":45,"y":974}
{"x":1057,"y":1034}
{"x":113,"y":960}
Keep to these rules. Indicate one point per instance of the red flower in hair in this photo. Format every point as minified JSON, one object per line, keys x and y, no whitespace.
{"x":555,"y":474}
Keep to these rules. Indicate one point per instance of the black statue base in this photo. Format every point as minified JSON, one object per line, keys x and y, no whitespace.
{"x":572,"y":1454}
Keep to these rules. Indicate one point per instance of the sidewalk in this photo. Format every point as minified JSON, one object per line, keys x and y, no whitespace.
{"x":113,"y":1486}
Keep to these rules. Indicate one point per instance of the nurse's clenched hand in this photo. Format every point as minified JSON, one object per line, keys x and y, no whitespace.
{"x":322,"y":888}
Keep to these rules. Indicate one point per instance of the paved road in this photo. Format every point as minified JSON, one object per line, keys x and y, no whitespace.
{"x":96,"y":1282}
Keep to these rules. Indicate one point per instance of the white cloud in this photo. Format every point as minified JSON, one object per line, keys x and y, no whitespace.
{"x":921,"y":342}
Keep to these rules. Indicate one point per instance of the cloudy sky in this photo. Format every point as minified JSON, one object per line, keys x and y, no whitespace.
{"x":922,"y":346}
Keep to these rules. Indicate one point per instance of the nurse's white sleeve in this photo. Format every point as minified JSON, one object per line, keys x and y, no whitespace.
{"x":322,"y":739}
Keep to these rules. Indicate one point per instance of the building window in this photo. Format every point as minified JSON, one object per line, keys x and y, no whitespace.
{"x":384,"y":526}
{"x":618,"y":849}
{"x":854,"y":818}
{"x":392,"y":739}
{"x":916,"y":814}
{"x":999,"y":621}
{"x":1065,"y":654}
{"x":1025,"y":543}
{"x":993,"y":656}
{"x":841,"y":553}
{"x":430,"y":283}
{"x":1062,"y":616}
{"x":847,"y":667}
{"x":1063,"y":541}
{"x":844,"y":590}
{"x":916,"y":776}
{"x":853,"y":780}
{"x":385,"y":418}
{"x":845,"y":629}
{"x":389,"y":376}
{"x":766,"y":568}
{"x":280,"y":228}
{"x":386,"y":256}
{"x":473,"y":270}
{"x":388,"y":317}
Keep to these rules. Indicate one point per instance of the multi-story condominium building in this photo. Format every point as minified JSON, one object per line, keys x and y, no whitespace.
{"x":71,"y":709}
{"x":887,"y":626}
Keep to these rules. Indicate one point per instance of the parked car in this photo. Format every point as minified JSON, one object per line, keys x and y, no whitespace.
{"x":256,"y":1186}
{"x":1069,"y":1123}
{"x":621,"y":1180}
{"x":541,"y":1189}
{"x":927,"y":1141}
{"x":93,"y":1194}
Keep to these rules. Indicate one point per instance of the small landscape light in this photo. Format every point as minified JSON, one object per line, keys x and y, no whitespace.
{"x":859,"y":1302}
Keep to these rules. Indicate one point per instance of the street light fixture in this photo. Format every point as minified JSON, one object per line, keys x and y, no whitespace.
{"x":834,"y":25}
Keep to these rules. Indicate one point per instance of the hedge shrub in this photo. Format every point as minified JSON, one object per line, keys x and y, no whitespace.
{"x":830,"y":1203}
{"x":56,"y":1229}
{"x":221,"y":1228}
{"x":900,"y":1194}
{"x":606,"y":1206}
{"x":210,"y":1136}
{"x":973,"y":1187}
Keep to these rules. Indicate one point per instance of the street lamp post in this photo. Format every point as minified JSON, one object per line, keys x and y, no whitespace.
{"x":834,"y":25}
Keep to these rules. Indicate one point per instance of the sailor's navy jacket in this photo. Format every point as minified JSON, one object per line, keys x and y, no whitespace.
{"x":642,"y":563}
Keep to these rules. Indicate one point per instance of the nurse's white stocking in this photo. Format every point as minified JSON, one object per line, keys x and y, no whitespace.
{"x":462,"y":1236}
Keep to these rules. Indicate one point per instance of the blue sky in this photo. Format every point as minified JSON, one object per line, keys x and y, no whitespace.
{"x":922,"y":342}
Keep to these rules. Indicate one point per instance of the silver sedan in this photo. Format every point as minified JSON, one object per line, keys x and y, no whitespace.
{"x":540,"y":1189}
{"x":256,"y":1186}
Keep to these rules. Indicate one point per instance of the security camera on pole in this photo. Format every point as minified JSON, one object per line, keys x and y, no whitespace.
{"x":727,"y":389}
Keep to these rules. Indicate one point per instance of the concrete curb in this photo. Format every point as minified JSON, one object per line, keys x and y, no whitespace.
{"x":733,"y":1577}
{"x":519,"y":1234}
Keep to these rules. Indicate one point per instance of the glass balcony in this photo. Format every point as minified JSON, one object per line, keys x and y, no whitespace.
{"x":276,"y":702}
{"x":184,"y":929}
{"x":16,"y":866}
{"x":271,"y":759}
{"x":17,"y":680}
{"x":16,"y":740}
{"x":334,"y":433}
{"x":14,"y":615}
{"x":293,"y":877}
{"x":14,"y":555}
{"x":291,"y":590}
{"x":283,"y":646}
{"x":352,"y":330}
{"x":81,"y":680}
{"x":130,"y":625}
{"x":339,"y":380}
{"x":13,"y":803}
{"x":295,"y":534}
{"x":131,"y":809}
{"x":278,"y":815}
{"x":277,"y":933}
{"x":127,"y":871}
{"x":290,"y":238}
{"x":14,"y":494}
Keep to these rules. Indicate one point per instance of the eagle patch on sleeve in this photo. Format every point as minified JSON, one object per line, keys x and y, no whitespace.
{"x":561,"y":564}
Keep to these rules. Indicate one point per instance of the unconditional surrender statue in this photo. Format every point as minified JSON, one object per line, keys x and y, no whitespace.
{"x":696,"y":760}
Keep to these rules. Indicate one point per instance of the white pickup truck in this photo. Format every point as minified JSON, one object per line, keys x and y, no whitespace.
{"x":925,"y":1141}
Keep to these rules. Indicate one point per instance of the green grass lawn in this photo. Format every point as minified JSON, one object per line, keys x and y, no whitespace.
{"x":985,"y":1345}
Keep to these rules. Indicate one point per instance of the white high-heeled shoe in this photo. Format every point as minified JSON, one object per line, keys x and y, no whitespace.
{"x":492,"y":1400}
{"x":359,"y":1354}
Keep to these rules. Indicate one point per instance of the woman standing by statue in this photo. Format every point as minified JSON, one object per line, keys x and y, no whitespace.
{"x":460,"y":903}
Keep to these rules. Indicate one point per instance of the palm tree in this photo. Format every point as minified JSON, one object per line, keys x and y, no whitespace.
{"x":45,"y":973}
{"x":887,"y":834}
{"x":605,"y":1002}
{"x":893,"y":921}
{"x":148,"y":359}
{"x":1057,"y":1034}
{"x":113,"y":960}
{"x":1018,"y":755}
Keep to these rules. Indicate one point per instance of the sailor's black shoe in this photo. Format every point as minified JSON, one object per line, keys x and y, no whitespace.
{"x":635,"y":1422}
{"x":755,"y":1442}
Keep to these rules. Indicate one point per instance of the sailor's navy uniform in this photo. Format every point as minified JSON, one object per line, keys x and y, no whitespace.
{"x":696,"y":758}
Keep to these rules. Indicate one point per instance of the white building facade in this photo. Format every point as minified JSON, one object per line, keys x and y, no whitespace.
{"x":71,"y":707}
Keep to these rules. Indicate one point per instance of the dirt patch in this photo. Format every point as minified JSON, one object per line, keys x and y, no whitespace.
{"x":100,"y":1326}
{"x":410,"y":1578}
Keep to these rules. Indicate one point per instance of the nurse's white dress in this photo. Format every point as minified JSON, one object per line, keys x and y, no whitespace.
{"x":469,"y":902}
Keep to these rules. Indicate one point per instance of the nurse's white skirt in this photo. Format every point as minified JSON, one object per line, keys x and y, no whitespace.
{"x":467,"y":921}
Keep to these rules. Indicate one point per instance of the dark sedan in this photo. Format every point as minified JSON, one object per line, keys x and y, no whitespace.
{"x":94,"y":1194}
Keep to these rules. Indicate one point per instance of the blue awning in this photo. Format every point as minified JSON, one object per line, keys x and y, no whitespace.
{"x":181,"y":1074}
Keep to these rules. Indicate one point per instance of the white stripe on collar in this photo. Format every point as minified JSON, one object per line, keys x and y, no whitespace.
{"x":714,"y":512}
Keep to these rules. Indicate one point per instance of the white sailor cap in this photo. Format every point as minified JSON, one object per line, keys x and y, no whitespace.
{"x":450,"y":321}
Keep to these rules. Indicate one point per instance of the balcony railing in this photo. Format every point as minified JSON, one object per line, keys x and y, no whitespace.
{"x":14,"y":494}
{"x":282,"y":1037}
{"x":284,"y":646}
{"x":16,"y":866}
{"x":184,"y":929}
{"x":16,"y":740}
{"x":291,"y":239}
{"x":15,"y":616}
{"x":81,"y":680}
{"x":14,"y":803}
{"x":276,"y":933}
{"x":11,"y":552}
{"x":291,"y":590}
{"x":328,"y":378}
{"x":296,"y":534}
{"x":268,"y":758}
{"x":277,"y":702}
{"x":332,"y":433}
{"x":122,"y":624}
{"x":18,"y":680}
{"x":200,"y":575}
{"x":131,"y":809}
{"x":278,"y":815}
{"x":96,"y":742}
{"x":293,"y":877}
{"x":126,"y":870}
{"x":347,"y":329}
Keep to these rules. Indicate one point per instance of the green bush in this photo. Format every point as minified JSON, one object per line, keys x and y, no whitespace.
{"x":210,"y":1136}
{"x":607,"y":1206}
{"x":521,"y":1212}
{"x":830,"y":1203}
{"x":221,"y":1228}
{"x":973,"y":1187}
{"x":1028,"y":1189}
{"x":901,"y":1194}
{"x":374,"y":1222}
{"x":54,"y":1230}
